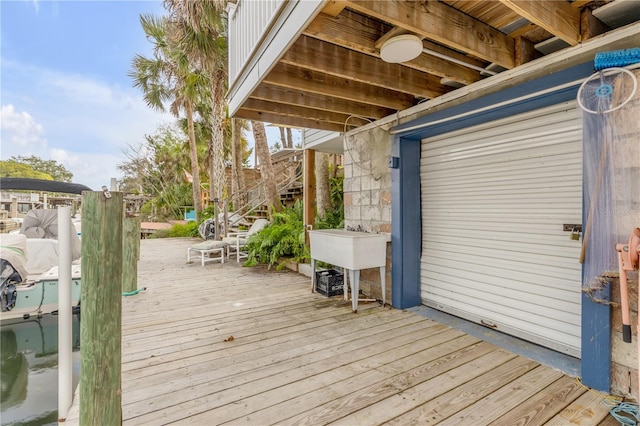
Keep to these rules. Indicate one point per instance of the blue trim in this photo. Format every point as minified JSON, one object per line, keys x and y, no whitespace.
{"x":406,"y":235}
{"x":575,"y":73}
{"x":595,"y":365}
{"x":406,"y":208}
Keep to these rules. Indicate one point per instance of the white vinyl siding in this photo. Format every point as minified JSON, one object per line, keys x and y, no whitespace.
{"x":494,"y":200}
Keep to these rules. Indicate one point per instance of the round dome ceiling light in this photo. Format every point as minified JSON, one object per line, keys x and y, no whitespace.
{"x":401,"y":48}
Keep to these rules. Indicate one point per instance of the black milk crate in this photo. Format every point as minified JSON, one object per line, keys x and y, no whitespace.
{"x":329,"y":282}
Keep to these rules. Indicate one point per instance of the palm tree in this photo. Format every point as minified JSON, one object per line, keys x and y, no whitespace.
{"x":168,"y":77}
{"x":201,"y":32}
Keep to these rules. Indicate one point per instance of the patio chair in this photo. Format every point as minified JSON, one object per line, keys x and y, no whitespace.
{"x":238,"y":240}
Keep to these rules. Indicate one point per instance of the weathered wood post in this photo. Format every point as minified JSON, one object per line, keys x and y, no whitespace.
{"x":101,"y":298}
{"x":309,"y":202}
{"x":130,"y":253}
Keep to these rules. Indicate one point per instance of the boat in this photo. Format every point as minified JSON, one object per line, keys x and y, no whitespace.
{"x":29,"y":269}
{"x":29,"y":258}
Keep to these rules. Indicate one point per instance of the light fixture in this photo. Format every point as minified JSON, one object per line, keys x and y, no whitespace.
{"x":401,"y":48}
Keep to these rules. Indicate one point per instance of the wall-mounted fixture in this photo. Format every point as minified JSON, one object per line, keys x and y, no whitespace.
{"x":401,"y":48}
{"x":394,"y":162}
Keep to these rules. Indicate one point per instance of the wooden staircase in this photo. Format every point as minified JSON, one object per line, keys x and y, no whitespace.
{"x":288,"y":172}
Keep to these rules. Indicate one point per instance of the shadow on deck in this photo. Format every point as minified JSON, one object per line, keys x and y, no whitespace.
{"x":223,"y":344}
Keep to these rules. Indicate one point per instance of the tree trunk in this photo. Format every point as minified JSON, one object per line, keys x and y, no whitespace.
{"x":283,"y":138}
{"x":238,"y":186}
{"x":216,"y":148}
{"x":193,"y":156}
{"x":266,"y":169}
{"x":289,"y":143}
{"x":323,"y":187}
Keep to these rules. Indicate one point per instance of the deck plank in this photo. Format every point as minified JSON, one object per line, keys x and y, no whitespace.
{"x":338,"y":399}
{"x":399,"y":409}
{"x":542,"y":406}
{"x":233,"y":370}
{"x":505,"y":399}
{"x":588,"y":409}
{"x":297,"y":358}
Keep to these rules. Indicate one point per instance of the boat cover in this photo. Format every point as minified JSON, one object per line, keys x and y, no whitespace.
{"x":7,"y":183}
{"x":13,"y":249}
{"x":43,"y":225}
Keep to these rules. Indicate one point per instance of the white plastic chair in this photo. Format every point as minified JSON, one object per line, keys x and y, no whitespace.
{"x":238,"y":240}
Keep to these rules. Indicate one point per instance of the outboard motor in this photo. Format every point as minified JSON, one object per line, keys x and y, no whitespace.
{"x":13,"y":259}
{"x":9,"y":277}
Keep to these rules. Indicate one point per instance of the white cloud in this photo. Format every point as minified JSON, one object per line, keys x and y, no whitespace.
{"x":93,"y":170}
{"x":88,"y":122}
{"x":20,"y":131}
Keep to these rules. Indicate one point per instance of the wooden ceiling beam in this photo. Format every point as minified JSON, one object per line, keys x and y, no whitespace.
{"x":316,"y":55}
{"x":580,"y":3}
{"x":300,"y":112}
{"x":315,"y":82}
{"x":443,"y":24}
{"x":284,"y":120}
{"x":333,"y":7}
{"x":288,"y":96}
{"x":555,"y":16}
{"x":361,"y":33}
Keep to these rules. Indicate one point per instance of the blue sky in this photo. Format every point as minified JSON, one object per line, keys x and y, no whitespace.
{"x":64,"y":90}
{"x":65,"y":94}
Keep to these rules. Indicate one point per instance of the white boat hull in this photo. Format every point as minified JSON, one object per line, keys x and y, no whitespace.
{"x":40,"y":297}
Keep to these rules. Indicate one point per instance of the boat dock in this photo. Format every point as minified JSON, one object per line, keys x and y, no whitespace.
{"x":223,"y":344}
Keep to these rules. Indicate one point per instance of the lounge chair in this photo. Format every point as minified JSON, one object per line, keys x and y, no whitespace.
{"x":238,"y":240}
{"x":208,"y":251}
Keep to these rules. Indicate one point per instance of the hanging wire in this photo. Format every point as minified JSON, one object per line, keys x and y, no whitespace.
{"x":348,"y":149}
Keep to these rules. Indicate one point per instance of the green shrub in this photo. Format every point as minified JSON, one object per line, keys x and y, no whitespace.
{"x":283,"y":237}
{"x":189,"y":229}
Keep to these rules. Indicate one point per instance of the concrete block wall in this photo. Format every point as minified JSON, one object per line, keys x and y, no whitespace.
{"x":367,"y":195}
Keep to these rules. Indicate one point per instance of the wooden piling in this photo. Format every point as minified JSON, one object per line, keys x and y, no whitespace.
{"x":100,"y":335}
{"x":130,"y":253}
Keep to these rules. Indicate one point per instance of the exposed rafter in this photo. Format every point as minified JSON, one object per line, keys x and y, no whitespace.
{"x":557,"y":17}
{"x":326,"y":66}
{"x":315,"y":82}
{"x":299,"y":111}
{"x":296,"y":97}
{"x":443,"y":24}
{"x":354,"y":31}
{"x":316,"y":55}
{"x":284,"y":120}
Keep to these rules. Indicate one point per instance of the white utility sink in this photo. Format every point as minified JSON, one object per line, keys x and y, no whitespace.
{"x":349,"y":249}
{"x":352,"y":251}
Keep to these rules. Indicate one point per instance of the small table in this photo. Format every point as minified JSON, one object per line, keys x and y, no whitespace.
{"x":208,"y":251}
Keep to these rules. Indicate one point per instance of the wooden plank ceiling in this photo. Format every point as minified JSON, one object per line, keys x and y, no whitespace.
{"x":333,"y":78}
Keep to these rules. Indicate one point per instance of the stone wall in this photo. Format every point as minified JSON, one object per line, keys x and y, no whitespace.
{"x":367,"y":195}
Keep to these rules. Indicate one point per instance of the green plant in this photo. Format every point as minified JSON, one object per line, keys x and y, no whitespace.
{"x":334,"y":219}
{"x":189,"y":229}
{"x":283,"y":237}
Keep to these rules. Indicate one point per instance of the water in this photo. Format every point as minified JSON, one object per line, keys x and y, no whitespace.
{"x":29,"y":371}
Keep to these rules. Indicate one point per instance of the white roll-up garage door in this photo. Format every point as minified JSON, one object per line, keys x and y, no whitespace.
{"x":495,"y":198}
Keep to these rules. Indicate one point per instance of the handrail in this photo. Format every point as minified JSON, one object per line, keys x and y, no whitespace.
{"x":281,"y":186}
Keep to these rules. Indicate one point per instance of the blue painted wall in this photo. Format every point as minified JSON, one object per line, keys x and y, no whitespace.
{"x":406,"y":208}
{"x":406,"y":223}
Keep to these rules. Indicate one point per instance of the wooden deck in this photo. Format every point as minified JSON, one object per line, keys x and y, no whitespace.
{"x":223,"y":344}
